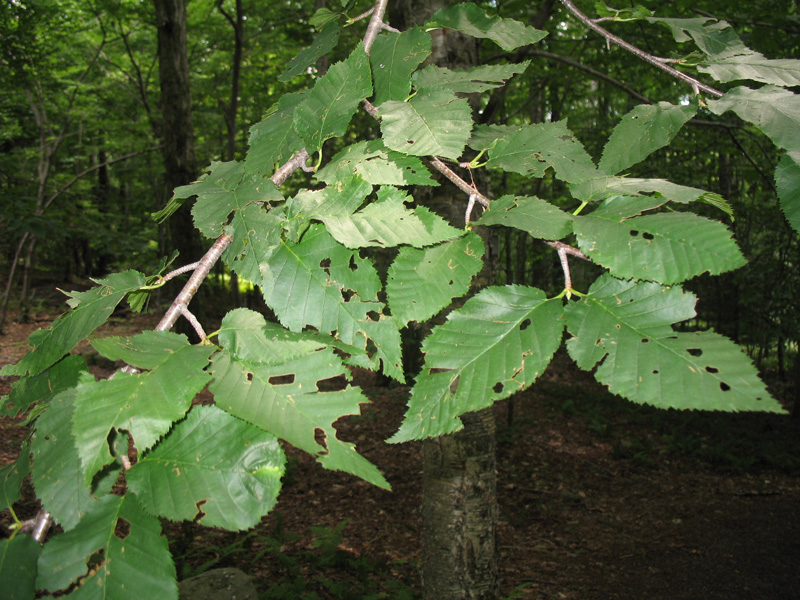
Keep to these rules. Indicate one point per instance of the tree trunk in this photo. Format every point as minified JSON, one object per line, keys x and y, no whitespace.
{"x":459,"y":508}
{"x":180,"y":165}
{"x":459,"y":505}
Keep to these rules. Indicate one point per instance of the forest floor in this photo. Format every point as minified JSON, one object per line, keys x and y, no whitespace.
{"x":599,"y":500}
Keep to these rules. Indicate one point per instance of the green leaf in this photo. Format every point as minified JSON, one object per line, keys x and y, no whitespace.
{"x":144,"y":404}
{"x":42,"y":387}
{"x":431,"y":123}
{"x":497,"y":344}
{"x":223,"y":190}
{"x":420,"y":283}
{"x":468,"y":81}
{"x":11,"y":477}
{"x":756,"y":67}
{"x":256,"y":232}
{"x":343,"y":197}
{"x":728,"y":58}
{"x":245,"y":333}
{"x":132,"y":554}
{"x":18,"y":557}
{"x":327,"y":110}
{"x":623,"y":328}
{"x":376,"y":164}
{"x":667,"y":247}
{"x":468,"y":18}
{"x":274,"y":140}
{"x":602,"y":187}
{"x":283,"y":396}
{"x":394,"y":56}
{"x":716,"y":40}
{"x":774,"y":110}
{"x":534,"y":215}
{"x":533,"y":149}
{"x":90,"y":309}
{"x":213,"y":468}
{"x":617,"y":208}
{"x":388,"y":223}
{"x":323,"y":43}
{"x":321,"y":283}
{"x":641,"y":132}
{"x":57,"y":474}
{"x":636,"y":13}
{"x":486,"y":136}
{"x":787,"y":182}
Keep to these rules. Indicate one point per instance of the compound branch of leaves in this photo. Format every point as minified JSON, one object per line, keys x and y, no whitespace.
{"x":109,"y":458}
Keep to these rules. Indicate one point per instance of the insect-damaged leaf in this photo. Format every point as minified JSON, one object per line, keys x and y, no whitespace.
{"x":497,"y":344}
{"x":116,"y":551}
{"x":211,"y":467}
{"x":283,"y":393}
{"x":666,"y":247}
{"x":624,"y":329}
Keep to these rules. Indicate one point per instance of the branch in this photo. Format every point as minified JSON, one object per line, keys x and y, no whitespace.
{"x":375,"y":24}
{"x":91,"y":169}
{"x":563,"y":250}
{"x":593,"y":72}
{"x":465,"y":187}
{"x":653,"y":60}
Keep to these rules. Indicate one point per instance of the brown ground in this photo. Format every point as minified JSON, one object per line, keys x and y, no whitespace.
{"x":599,"y":500}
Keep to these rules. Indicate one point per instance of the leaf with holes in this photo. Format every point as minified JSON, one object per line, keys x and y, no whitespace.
{"x":333,"y":100}
{"x":324,"y":42}
{"x":212,"y":468}
{"x":321,"y":283}
{"x":624,"y":330}
{"x":116,"y":552}
{"x":641,"y":132}
{"x":472,"y":20}
{"x":787,"y":182}
{"x":531,"y":150}
{"x":286,"y":394}
{"x":497,"y":344}
{"x":394,"y":57}
{"x":774,"y":110}
{"x":666,"y":247}
{"x":90,"y":309}
{"x":431,"y":123}
{"x":145,"y":404}
{"x":423,"y":282}
{"x":534,"y":215}
{"x":374,"y":163}
{"x":466,"y":81}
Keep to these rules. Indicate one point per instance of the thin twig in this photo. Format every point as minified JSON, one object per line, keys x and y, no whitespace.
{"x":176,"y":272}
{"x":470,"y":206}
{"x":465,"y":187}
{"x":610,"y":37}
{"x":198,"y":328}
